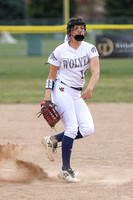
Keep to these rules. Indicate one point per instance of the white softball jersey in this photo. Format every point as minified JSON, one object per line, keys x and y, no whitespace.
{"x":73,"y":64}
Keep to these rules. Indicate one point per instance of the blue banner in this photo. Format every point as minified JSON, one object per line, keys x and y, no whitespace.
{"x":115,"y":46}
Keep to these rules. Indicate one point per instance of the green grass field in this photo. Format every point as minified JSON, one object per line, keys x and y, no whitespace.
{"x":22,"y":80}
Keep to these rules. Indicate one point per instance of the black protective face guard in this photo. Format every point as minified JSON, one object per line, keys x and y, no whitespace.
{"x":79,"y":37}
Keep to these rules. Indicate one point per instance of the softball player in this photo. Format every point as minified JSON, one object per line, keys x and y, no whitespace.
{"x":69,"y":64}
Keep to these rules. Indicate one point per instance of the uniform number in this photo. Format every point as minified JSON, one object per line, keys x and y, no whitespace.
{"x":83,"y":73}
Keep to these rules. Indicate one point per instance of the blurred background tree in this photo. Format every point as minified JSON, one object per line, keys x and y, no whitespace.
{"x":49,"y":8}
{"x":43,"y":12}
{"x":12,"y":9}
{"x":119,"y":8}
{"x":92,"y":11}
{"x":91,"y":8}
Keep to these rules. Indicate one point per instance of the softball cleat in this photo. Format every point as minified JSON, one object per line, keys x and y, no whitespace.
{"x":68,"y":175}
{"x":50,"y":147}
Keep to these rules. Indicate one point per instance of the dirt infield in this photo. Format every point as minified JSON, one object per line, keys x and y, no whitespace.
{"x":103,"y":161}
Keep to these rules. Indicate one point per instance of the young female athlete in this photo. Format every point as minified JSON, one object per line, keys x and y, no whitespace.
{"x":69,"y":64}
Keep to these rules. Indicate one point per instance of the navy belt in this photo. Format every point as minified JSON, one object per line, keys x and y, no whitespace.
{"x":75,"y":88}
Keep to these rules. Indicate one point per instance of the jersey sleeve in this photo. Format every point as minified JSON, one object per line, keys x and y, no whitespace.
{"x":54,"y":58}
{"x":93,"y":51}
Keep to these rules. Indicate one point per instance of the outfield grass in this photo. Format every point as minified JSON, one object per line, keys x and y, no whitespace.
{"x":22,"y":80}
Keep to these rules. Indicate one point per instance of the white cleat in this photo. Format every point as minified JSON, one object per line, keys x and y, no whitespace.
{"x":68,"y":175}
{"x":50,"y":147}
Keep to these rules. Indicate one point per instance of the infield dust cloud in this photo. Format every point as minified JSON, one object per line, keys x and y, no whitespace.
{"x":15,"y":170}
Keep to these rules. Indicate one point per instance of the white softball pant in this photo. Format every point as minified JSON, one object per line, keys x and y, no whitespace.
{"x":75,"y":111}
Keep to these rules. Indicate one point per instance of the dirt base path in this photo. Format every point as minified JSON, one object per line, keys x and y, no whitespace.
{"x":103,"y":161}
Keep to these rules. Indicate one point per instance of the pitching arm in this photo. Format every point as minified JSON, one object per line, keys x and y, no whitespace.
{"x":95,"y":72}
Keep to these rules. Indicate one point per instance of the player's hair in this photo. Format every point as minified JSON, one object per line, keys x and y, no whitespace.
{"x":75,"y":21}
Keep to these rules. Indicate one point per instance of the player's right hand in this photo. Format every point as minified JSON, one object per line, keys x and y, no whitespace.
{"x":87,"y":94}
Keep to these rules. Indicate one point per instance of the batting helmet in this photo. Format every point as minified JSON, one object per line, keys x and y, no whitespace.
{"x":75,"y":21}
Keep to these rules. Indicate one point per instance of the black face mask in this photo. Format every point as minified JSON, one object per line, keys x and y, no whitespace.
{"x":79,"y":37}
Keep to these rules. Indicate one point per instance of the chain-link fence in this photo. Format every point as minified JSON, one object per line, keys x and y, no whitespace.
{"x":60,"y":21}
{"x":30,"y":44}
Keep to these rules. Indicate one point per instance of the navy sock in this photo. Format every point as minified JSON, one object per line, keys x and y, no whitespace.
{"x":67,"y":144}
{"x":59,"y":136}
{"x":78,"y":135}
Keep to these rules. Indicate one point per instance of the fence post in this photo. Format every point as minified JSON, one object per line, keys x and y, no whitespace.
{"x":34,"y":44}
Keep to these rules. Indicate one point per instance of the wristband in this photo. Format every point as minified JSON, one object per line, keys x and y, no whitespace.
{"x":49,"y":84}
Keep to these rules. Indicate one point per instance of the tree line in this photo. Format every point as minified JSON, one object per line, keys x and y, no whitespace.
{"x":27,"y":9}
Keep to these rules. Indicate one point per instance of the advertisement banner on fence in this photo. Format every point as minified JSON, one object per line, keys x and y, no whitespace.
{"x":115,"y":46}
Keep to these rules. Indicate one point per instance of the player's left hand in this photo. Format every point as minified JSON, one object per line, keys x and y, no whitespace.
{"x":87,"y":94}
{"x":49,"y":113}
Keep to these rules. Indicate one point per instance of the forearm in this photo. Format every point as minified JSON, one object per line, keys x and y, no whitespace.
{"x":50,"y":82}
{"x":47,"y":94}
{"x":95,"y":71}
{"x":93,"y":81}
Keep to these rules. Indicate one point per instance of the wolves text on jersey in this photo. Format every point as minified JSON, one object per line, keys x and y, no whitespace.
{"x":77,"y":62}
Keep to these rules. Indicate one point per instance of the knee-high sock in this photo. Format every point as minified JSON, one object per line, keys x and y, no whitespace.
{"x":78,"y":136}
{"x":67,"y":144}
{"x":59,"y":136}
